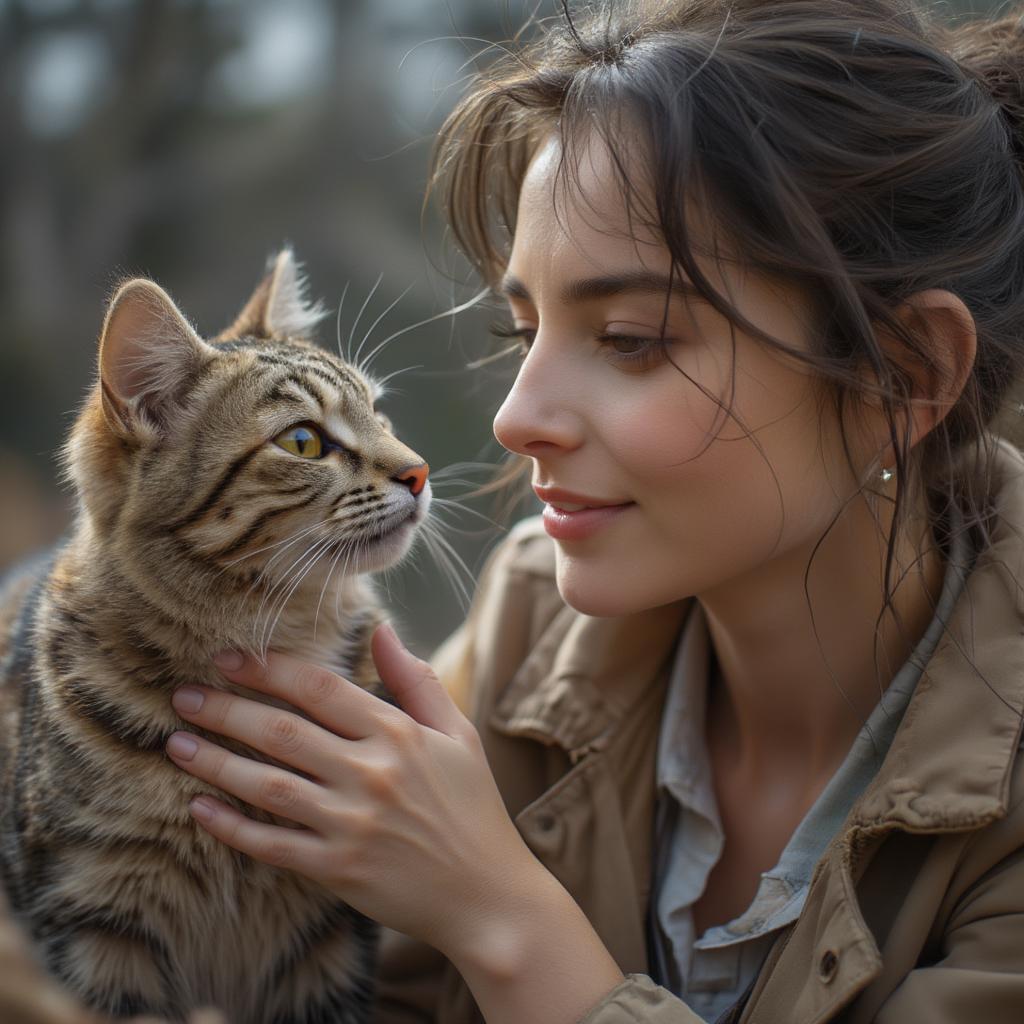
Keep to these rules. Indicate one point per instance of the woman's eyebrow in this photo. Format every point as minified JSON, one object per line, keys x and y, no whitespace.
{"x":607,"y":285}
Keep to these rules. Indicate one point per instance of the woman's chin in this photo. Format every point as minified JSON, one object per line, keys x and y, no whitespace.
{"x":597,"y":597}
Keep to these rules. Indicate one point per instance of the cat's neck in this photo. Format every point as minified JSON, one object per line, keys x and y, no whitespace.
{"x":184,"y":631}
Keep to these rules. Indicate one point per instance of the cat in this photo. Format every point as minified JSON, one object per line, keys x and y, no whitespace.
{"x":231,"y":493}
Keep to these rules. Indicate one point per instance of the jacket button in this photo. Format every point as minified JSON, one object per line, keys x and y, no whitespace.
{"x":828,"y":965}
{"x":546,"y":822}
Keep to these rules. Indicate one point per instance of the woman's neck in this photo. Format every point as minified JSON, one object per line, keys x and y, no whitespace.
{"x":793,"y":691}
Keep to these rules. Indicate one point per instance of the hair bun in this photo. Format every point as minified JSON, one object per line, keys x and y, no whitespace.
{"x":992,"y":51}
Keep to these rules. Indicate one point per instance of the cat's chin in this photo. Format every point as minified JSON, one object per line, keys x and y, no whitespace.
{"x":385,"y":551}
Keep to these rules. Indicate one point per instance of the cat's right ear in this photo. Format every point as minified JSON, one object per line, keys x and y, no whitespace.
{"x":148,"y":354}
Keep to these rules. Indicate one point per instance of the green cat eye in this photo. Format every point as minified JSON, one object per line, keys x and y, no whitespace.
{"x":302,"y":441}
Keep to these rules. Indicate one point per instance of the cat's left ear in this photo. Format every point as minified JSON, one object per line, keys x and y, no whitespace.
{"x":149,"y":353}
{"x":279,"y":307}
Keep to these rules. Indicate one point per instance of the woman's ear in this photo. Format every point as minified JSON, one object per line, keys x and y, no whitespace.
{"x":148,"y":353}
{"x":947,"y":332}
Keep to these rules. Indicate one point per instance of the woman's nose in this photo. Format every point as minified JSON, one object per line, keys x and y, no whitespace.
{"x":538,"y":415}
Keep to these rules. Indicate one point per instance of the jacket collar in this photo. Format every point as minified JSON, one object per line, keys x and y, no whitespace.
{"x":584,"y":673}
{"x":948,"y":767}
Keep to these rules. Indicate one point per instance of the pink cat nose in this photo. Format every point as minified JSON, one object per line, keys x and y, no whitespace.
{"x":414,"y":477}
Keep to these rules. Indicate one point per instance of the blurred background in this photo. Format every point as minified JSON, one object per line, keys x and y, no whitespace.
{"x":187,"y":140}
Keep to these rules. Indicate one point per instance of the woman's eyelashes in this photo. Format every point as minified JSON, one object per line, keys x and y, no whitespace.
{"x":626,"y":350}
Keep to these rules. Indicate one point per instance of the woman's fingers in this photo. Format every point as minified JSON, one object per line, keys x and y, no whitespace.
{"x":342,"y":706}
{"x":414,"y":684}
{"x":261,"y":785}
{"x":280,"y":847}
{"x":282,"y":735}
{"x":334,"y":702}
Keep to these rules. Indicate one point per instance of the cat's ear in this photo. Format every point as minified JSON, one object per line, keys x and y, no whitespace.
{"x":279,"y":308}
{"x":148,"y":354}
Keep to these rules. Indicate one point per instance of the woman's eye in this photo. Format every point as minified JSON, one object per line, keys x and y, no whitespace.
{"x":627,"y":346}
{"x":524,"y":334}
{"x":304,"y":442}
{"x":633,"y":352}
{"x":624,"y":349}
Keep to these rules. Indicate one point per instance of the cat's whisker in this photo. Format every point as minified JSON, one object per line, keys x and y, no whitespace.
{"x":268,"y":547}
{"x":382,"y":383}
{"x":462,"y":531}
{"x":323,"y":590}
{"x":448,"y":560}
{"x":455,"y":310}
{"x":461,"y":467}
{"x":269,"y":597}
{"x":324,"y":547}
{"x":445,"y":504}
{"x":440,"y":559}
{"x":268,"y":634}
{"x":454,"y":556}
{"x":263,"y":574}
{"x":355,"y":553}
{"x":359,"y":349}
{"x":295,"y":538}
{"x":453,"y":481}
{"x":344,"y":548}
{"x":387,"y":585}
{"x":359,"y":316}
{"x":341,"y":580}
{"x":435,"y":528}
{"x":337,"y":319}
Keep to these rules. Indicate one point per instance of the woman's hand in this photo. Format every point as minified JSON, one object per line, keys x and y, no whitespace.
{"x":402,"y":817}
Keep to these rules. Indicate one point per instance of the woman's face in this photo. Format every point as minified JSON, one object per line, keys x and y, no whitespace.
{"x":688,"y":501}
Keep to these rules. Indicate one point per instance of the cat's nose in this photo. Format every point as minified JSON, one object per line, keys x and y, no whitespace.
{"x":414,"y":477}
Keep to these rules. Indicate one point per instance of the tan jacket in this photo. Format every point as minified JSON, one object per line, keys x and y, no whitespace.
{"x":915,"y":912}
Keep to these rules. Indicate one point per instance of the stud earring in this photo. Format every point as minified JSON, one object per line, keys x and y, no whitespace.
{"x":885,"y":475}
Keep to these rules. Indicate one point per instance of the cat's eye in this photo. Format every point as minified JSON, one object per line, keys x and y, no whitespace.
{"x":302,"y":441}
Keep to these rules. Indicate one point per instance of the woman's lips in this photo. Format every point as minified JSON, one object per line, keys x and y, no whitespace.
{"x":562,"y":524}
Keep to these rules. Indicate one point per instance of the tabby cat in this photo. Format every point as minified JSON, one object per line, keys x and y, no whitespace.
{"x":232,"y":493}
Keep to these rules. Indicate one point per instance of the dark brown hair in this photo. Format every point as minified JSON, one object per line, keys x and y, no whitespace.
{"x":862,"y":150}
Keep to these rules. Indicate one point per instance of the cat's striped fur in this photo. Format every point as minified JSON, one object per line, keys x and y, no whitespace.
{"x":193,"y":528}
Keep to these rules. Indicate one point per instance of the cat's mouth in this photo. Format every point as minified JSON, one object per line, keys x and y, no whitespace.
{"x":401,"y":520}
{"x":386,"y":542}
{"x":406,"y":517}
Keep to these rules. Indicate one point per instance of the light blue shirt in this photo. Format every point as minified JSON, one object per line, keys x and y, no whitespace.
{"x":710,"y":972}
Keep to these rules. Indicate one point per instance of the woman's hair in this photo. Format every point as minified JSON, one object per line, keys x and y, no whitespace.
{"x":860,"y":150}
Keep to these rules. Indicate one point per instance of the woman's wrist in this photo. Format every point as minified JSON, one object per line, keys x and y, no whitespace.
{"x":534,"y":957}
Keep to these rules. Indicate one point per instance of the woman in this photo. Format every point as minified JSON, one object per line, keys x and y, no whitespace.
{"x":743,"y":707}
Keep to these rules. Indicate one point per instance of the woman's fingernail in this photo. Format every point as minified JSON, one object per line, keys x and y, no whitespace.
{"x":182,"y":746}
{"x":228,"y":660}
{"x":201,"y":809}
{"x":187,"y":700}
